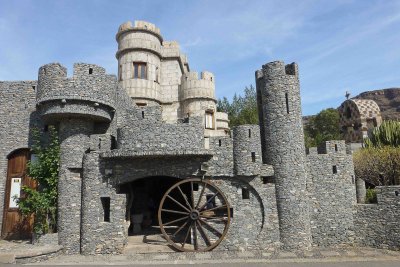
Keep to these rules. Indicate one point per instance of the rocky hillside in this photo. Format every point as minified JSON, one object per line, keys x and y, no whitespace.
{"x":388,"y":101}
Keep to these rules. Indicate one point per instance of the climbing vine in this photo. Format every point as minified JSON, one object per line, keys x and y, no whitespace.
{"x":41,"y":202}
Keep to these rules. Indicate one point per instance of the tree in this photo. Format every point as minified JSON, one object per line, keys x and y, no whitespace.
{"x":243,"y":109}
{"x":379,"y":162}
{"x":323,"y":127}
{"x":42,"y":201}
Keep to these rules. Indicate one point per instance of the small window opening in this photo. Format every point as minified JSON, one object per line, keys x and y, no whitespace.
{"x":142,"y":114}
{"x":120,"y":72}
{"x":33,"y":87}
{"x":139,"y":70}
{"x":352,"y":179}
{"x":113,"y":142}
{"x":90,"y":71}
{"x":336,"y":149}
{"x":287,"y":102}
{"x":209,"y":120}
{"x":245,"y":193}
{"x":249,"y":133}
{"x":348,"y":112}
{"x":141,"y":104}
{"x":253,"y":156}
{"x":219,"y":142}
{"x":268,"y":180}
{"x":231,"y":212}
{"x":105,"y":202}
{"x":211,"y":78}
{"x":195,"y":187}
{"x":210,"y":201}
{"x":397,"y":193}
{"x":334,"y":169}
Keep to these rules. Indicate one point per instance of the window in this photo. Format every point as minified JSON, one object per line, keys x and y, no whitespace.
{"x":90,"y":71}
{"x":245,"y":193}
{"x":253,"y":156}
{"x":336,"y":148}
{"x":268,"y":180}
{"x":139,"y":70}
{"x":120,"y":73}
{"x":334,"y":169}
{"x":287,"y":102}
{"x":219,"y":142}
{"x":249,"y":133}
{"x":209,"y":120}
{"x":141,"y":104}
{"x":105,"y":202}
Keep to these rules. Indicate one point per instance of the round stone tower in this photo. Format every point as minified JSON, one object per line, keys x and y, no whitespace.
{"x":278,"y":92}
{"x":197,"y":95}
{"x":139,"y":61}
{"x":75,"y":105}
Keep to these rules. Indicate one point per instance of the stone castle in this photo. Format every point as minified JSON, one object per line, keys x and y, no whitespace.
{"x":127,"y":140}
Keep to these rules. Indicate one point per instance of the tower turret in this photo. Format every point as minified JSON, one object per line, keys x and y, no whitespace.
{"x":139,"y":61}
{"x":283,"y":147}
{"x":75,"y":104}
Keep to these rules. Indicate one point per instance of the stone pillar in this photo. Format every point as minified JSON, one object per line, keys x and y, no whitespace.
{"x":283,"y":147}
{"x":74,"y":141}
{"x":361,"y":190}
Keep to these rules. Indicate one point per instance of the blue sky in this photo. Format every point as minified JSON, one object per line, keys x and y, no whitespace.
{"x":340,"y":45}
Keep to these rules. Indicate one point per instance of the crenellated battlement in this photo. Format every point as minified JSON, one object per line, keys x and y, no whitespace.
{"x":329,"y":147}
{"x":193,"y":87}
{"x":90,"y":90}
{"x":139,"y":25}
{"x":277,"y":69}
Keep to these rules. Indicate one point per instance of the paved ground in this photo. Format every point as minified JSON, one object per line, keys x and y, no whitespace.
{"x":369,"y":263}
{"x":329,"y":257}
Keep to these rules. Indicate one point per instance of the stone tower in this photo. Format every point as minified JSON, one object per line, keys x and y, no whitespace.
{"x":75,"y":105}
{"x":278,"y":93}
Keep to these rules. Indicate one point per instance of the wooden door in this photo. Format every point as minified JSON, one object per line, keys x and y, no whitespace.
{"x":15,"y":226}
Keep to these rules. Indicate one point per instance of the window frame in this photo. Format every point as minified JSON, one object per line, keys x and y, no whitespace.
{"x":139,"y":70}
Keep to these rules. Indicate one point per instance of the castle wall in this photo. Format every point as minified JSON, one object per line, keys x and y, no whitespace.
{"x":100,"y":236}
{"x":378,"y":225}
{"x":17,"y":117}
{"x":247,"y":150}
{"x":331,"y":189}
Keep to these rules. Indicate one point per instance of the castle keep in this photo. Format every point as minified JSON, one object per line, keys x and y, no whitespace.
{"x":148,"y":149}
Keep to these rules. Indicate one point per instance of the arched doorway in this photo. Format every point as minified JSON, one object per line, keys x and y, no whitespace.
{"x":16,"y":226}
{"x":143,"y":199}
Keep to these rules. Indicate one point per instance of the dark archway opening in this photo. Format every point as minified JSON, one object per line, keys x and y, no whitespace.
{"x":143,"y":200}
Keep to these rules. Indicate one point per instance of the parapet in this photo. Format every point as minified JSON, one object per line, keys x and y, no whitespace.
{"x":193,"y":87}
{"x":90,"y":91}
{"x":139,"y":26}
{"x":277,"y":68}
{"x":329,"y":147}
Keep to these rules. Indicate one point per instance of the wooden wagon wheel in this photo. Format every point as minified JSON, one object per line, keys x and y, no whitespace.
{"x":202,"y":215}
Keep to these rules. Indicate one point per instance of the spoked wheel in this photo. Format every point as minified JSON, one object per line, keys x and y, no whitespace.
{"x":194,"y":215}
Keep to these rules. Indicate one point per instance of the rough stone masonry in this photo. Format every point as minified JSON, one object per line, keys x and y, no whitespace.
{"x":157,"y":122}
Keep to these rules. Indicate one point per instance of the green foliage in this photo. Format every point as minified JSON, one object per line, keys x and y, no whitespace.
{"x":379,"y":162}
{"x":243,"y":109}
{"x":387,"y":134}
{"x":378,"y":166}
{"x":323,"y":127}
{"x":42,"y":201}
{"x":370,"y":197}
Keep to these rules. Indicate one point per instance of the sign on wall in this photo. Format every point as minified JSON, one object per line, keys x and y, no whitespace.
{"x":15,"y":192}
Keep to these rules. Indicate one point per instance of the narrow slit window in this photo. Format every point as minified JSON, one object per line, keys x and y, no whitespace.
{"x":105,"y":202}
{"x":113,"y":142}
{"x":336,"y":148}
{"x":219,"y":142}
{"x":287,"y":102}
{"x":142,"y":114}
{"x":245,"y":193}
{"x":253,"y":156}
{"x":334,"y":169}
{"x":249,"y":133}
{"x":120,"y":72}
{"x":90,"y":71}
